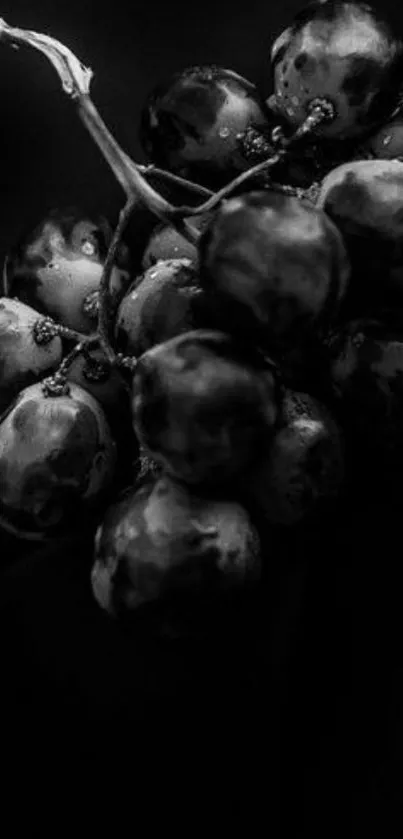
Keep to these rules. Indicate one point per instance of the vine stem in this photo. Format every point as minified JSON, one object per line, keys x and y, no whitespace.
{"x":56,"y":385}
{"x":149,"y":169}
{"x":228,"y":189}
{"x":76,"y":79}
{"x":82,"y":347}
{"x":104,"y":286}
{"x":321,"y":110}
{"x":127,"y":172}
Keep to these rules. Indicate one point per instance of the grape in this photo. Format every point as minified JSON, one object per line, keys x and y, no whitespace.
{"x":276,"y":268}
{"x":367,"y":377}
{"x":166,"y":243}
{"x":387,"y":142}
{"x":202,"y":407}
{"x":303,"y":467}
{"x":165,"y":303}
{"x":24,"y":356}
{"x":342,"y":52}
{"x":364,"y":199}
{"x":57,"y":268}
{"x":92,"y":371}
{"x":163,"y":545}
{"x":196,"y":123}
{"x":57,"y":459}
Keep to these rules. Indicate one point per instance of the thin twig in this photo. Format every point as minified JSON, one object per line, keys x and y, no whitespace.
{"x":170,"y":177}
{"x":104,"y":286}
{"x":227,"y":190}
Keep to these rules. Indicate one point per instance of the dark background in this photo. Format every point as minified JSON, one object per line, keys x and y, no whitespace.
{"x":47,"y":158}
{"x":335,"y":735}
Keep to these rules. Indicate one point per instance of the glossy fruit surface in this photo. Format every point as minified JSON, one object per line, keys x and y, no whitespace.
{"x":166,"y":243}
{"x":165,"y":303}
{"x":387,"y":142}
{"x":92,"y":371}
{"x":343,"y":52}
{"x":276,"y":266}
{"x":57,"y":268}
{"x":23,"y":358}
{"x":304,"y":466}
{"x":195,"y":123}
{"x":163,"y":545}
{"x":365,"y":200}
{"x":57,"y":458}
{"x":202,"y":408}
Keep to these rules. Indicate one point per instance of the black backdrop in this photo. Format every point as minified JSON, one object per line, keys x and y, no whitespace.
{"x":47,"y":158}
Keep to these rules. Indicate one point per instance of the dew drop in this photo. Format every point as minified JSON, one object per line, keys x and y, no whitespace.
{"x":277,"y":134}
{"x":224,"y":132}
{"x":88,"y":248}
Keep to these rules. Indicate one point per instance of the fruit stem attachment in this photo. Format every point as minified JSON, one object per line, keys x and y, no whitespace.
{"x":321,"y":110}
{"x":76,"y":79}
{"x":57,"y":384}
{"x":45,"y":329}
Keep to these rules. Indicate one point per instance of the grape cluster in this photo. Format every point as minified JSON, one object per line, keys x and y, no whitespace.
{"x":244,"y":374}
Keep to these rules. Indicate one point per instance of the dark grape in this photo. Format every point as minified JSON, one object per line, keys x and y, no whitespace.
{"x":367,"y":376}
{"x":57,"y":458}
{"x":57,"y":268}
{"x":203,"y":408}
{"x":196,"y":124}
{"x":92,"y":371}
{"x":24,"y":356}
{"x":164,"y":303}
{"x":345,"y":53}
{"x":166,"y":243}
{"x":304,"y":467}
{"x":276,"y":268}
{"x":365,"y":200}
{"x":163,"y":546}
{"x":387,"y":142}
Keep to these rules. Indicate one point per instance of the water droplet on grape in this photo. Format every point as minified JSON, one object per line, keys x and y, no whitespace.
{"x":224,"y":132}
{"x":277,"y":134}
{"x":386,"y":140}
{"x":88,"y":248}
